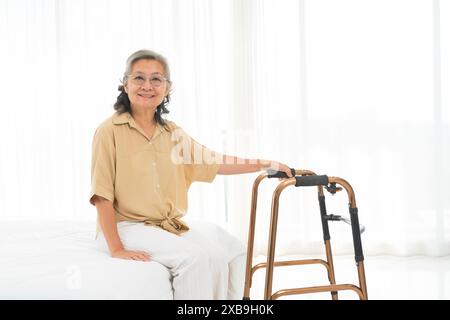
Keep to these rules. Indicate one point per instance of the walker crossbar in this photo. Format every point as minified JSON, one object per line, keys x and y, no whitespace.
{"x":304,"y":178}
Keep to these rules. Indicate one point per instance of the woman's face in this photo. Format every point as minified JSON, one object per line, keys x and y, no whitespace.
{"x":146,"y":85}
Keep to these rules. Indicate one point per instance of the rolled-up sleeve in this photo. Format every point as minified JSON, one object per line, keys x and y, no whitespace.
{"x":103,"y":166}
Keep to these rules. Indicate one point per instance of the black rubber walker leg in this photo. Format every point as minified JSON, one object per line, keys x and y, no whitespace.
{"x":359,"y":257}
{"x":326,"y":239}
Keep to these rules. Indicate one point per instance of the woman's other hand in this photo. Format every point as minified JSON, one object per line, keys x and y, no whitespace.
{"x":131,"y":255}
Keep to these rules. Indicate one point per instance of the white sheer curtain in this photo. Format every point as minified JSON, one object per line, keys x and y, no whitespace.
{"x":350,"y":88}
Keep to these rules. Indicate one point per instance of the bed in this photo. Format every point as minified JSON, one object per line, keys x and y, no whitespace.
{"x":60,"y":260}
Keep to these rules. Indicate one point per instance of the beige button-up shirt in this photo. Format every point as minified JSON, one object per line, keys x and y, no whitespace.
{"x":147,"y":180}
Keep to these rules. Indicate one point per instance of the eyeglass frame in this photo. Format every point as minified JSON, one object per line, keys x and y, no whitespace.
{"x":149,"y":78}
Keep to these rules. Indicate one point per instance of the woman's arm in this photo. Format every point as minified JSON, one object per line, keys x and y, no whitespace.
{"x":235,"y":165}
{"x":105,"y":211}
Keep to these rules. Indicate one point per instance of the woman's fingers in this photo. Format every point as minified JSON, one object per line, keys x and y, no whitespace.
{"x":284,"y":168}
{"x":138,"y":257}
{"x":133,"y":255}
{"x":143,"y":256}
{"x":287,"y":170}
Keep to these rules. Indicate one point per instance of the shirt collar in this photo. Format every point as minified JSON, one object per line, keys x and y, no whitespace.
{"x":122,"y":118}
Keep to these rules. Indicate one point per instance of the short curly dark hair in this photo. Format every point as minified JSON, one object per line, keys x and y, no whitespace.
{"x":123,"y":102}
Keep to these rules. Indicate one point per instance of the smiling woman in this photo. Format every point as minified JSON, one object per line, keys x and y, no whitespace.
{"x":140,"y":189}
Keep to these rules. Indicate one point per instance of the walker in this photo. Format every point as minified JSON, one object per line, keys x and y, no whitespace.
{"x":305,"y":178}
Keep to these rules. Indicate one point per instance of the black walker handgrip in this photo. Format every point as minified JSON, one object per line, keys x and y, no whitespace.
{"x":279,"y":174}
{"x":308,"y":181}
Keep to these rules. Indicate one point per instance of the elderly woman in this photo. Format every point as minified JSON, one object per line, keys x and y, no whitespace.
{"x":142,"y":167}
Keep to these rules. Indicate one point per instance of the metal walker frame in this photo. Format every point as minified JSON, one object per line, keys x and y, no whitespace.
{"x":304,"y":178}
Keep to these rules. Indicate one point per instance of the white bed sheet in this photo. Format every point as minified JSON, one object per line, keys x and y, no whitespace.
{"x":60,"y":260}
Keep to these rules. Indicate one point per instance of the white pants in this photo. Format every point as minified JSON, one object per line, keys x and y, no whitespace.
{"x":206,"y":262}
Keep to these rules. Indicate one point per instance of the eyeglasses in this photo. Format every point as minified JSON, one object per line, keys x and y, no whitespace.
{"x":156,"y":80}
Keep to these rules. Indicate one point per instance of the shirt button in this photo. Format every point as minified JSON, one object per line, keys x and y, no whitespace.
{"x":154,"y":164}
{"x":157,"y":185}
{"x":149,"y":142}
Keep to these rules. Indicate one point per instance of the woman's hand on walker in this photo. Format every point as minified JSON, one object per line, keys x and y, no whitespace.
{"x":277,"y":166}
{"x":131,"y":255}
